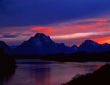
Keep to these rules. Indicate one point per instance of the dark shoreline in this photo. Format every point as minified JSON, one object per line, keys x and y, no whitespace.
{"x":99,"y":77}
{"x":7,"y":66}
{"x":76,"y":57}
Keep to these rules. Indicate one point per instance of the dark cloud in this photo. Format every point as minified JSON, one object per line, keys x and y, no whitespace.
{"x":8,"y":36}
{"x":86,"y":22}
{"x":43,"y":12}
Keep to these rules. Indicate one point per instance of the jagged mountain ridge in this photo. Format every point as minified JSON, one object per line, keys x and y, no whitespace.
{"x":42,"y":44}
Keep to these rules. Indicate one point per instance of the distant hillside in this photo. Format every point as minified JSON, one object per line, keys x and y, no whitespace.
{"x":91,"y":46}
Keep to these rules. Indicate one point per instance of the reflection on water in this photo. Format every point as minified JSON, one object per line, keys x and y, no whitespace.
{"x":52,"y":73}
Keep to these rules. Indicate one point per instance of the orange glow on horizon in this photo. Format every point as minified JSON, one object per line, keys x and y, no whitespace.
{"x":43,"y":29}
{"x":69,"y":32}
{"x":95,"y":29}
{"x":102,"y":40}
{"x":86,"y":25}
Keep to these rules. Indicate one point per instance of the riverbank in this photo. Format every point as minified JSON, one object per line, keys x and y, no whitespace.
{"x":99,"y":77}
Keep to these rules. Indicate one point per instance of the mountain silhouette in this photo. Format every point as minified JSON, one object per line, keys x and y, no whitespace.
{"x":42,"y":44}
{"x":3,"y":45}
{"x":92,"y":46}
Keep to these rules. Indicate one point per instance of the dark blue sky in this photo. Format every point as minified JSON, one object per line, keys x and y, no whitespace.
{"x":43,"y":12}
{"x":69,"y":21}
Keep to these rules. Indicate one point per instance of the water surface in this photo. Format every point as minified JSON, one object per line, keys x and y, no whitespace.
{"x":38,"y":72}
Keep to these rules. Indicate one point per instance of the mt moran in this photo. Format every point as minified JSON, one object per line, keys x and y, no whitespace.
{"x":42,"y":44}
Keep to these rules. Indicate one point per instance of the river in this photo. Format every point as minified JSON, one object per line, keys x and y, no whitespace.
{"x":39,"y":72}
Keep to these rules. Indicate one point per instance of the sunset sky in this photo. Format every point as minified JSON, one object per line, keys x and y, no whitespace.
{"x":68,"y":21}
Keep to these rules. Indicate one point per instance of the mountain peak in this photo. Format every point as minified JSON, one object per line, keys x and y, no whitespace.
{"x":39,"y":40}
{"x":3,"y":44}
{"x":39,"y":35}
{"x":42,"y":44}
{"x":89,"y":41}
{"x":42,"y":37}
{"x":90,"y":46}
